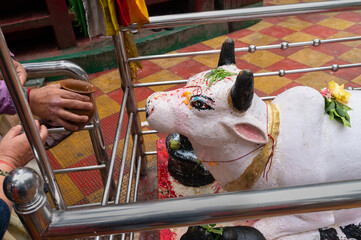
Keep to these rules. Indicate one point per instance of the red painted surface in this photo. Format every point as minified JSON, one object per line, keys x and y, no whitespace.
{"x":61,"y":23}
{"x":164,"y":185}
{"x":23,"y":22}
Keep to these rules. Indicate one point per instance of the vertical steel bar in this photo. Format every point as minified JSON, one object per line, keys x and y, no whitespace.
{"x":131,"y":235}
{"x":100,"y":150}
{"x":130,"y":179}
{"x":114,"y":150}
{"x":124,"y":70}
{"x":99,"y":147}
{"x":27,"y":119}
{"x":131,"y":171}
{"x":124,"y":158}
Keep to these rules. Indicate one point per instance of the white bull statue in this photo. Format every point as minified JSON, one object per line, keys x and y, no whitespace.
{"x":247,"y":143}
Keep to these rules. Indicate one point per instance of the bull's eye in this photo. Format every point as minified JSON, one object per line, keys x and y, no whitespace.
{"x":201,"y":102}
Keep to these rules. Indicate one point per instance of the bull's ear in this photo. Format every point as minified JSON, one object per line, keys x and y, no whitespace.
{"x":251,"y":133}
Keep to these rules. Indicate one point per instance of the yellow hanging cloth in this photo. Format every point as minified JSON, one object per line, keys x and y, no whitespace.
{"x":131,"y":48}
{"x":110,"y":17}
{"x":138,"y":13}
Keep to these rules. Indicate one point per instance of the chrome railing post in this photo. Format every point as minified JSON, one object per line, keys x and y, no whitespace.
{"x":25,"y":187}
{"x":27,"y":120}
{"x":126,"y":80}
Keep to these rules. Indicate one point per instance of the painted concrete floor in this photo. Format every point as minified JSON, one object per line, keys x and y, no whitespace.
{"x":76,"y":150}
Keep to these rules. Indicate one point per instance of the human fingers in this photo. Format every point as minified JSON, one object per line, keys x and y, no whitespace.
{"x":37,"y":123}
{"x":43,"y":133}
{"x":67,"y":125}
{"x":72,"y":117}
{"x":74,"y":96}
{"x":76,"y":104}
{"x":55,"y":85}
{"x":13,"y":132}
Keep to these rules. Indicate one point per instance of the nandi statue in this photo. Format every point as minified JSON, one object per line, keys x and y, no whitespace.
{"x":247,"y":143}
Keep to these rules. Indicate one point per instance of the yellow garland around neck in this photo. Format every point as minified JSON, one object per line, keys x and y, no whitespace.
{"x":254,"y":171}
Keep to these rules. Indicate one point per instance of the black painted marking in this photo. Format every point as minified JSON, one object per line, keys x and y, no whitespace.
{"x":328,"y":234}
{"x":352,"y":231}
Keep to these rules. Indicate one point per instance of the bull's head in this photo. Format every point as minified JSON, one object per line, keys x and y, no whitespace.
{"x":216,"y":107}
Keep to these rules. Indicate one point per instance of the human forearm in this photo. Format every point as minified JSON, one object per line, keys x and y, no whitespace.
{"x":4,"y":169}
{"x":6,"y":103}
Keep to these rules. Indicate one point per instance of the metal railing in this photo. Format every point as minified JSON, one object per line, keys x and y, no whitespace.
{"x":110,"y":217}
{"x":69,"y":69}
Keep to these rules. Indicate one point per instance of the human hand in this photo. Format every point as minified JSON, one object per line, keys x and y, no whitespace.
{"x":15,"y":148}
{"x":20,"y":70}
{"x":52,"y":103}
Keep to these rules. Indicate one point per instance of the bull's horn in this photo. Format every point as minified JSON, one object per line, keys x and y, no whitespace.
{"x":242,"y":91}
{"x":227,"y":53}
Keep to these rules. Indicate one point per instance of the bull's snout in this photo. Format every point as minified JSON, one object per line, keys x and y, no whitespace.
{"x":148,"y":110}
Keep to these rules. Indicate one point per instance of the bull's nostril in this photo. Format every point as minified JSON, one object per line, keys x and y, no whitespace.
{"x":148,"y":112}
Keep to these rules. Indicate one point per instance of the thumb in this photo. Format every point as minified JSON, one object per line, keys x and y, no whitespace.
{"x":14,"y":131}
{"x":43,"y":133}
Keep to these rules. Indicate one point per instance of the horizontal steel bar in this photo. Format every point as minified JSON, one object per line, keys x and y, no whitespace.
{"x":250,"y":48}
{"x":149,"y":132}
{"x":203,"y":209}
{"x":151,"y":153}
{"x":79,"y":169}
{"x":281,"y":73}
{"x":151,"y":84}
{"x":242,"y":14}
{"x":88,"y":205}
{"x":61,"y":129}
{"x":140,"y":109}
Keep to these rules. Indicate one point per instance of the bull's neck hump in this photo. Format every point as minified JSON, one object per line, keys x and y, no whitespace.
{"x":258,"y":110}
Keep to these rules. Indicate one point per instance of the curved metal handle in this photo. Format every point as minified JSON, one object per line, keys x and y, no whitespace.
{"x":55,"y":68}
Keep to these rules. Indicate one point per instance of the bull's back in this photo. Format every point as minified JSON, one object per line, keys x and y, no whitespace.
{"x":312,"y":148}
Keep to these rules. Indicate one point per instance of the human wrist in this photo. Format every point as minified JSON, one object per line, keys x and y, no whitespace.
{"x":4,"y":173}
{"x":30,"y":98}
{"x":26,"y":93}
{"x":6,"y":167}
{"x":7,"y":161}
